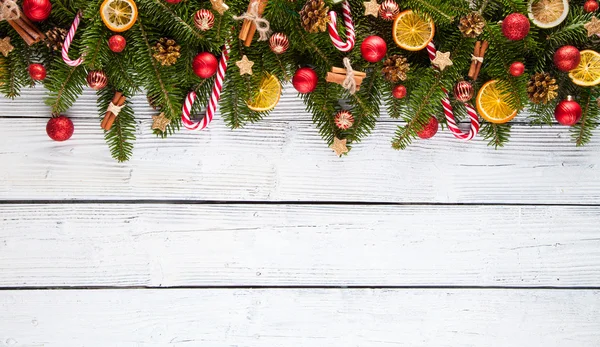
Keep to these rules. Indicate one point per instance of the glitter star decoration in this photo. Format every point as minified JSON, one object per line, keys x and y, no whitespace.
{"x":160,"y":122}
{"x":442,"y":60}
{"x":339,"y":146}
{"x":371,"y":8}
{"x":219,"y":6}
{"x":593,"y":27}
{"x":245,"y":65}
{"x":5,"y":46}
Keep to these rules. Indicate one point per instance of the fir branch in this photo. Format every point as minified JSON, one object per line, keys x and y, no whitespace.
{"x":582,"y":132}
{"x":65,"y":84}
{"x":497,"y":135}
{"x":122,"y":134}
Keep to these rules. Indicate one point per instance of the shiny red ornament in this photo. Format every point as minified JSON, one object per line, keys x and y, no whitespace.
{"x":566,"y":58}
{"x":430,"y":129}
{"x":204,"y":19}
{"x":591,"y":6}
{"x":117,"y":43}
{"x":205,"y":65}
{"x":373,"y":49}
{"x":37,"y":10}
{"x":516,"y":69}
{"x":463,"y":91}
{"x":60,"y":128}
{"x":388,"y":10}
{"x":399,"y":92}
{"x":568,"y":112}
{"x":344,"y":120}
{"x":37,"y":72}
{"x":97,"y":79}
{"x":173,"y":1}
{"x":279,"y":43}
{"x":305,"y":80}
{"x":515,"y":26}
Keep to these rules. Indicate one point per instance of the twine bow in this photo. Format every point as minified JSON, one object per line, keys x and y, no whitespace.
{"x":349,"y":83}
{"x":262,"y":25}
{"x":114,"y":108}
{"x":478,"y":59}
{"x":9,"y":10}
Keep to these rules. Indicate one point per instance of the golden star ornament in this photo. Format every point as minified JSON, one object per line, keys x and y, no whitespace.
{"x":5,"y":46}
{"x":593,"y":27}
{"x":371,"y":8}
{"x":160,"y":122}
{"x":442,"y":60}
{"x":245,"y":65}
{"x":339,"y":146}
{"x":219,"y":6}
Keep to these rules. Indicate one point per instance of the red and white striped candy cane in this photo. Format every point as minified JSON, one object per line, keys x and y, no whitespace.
{"x":449,"y":113}
{"x":350,"y":34}
{"x":67,"y":43}
{"x":214,"y":98}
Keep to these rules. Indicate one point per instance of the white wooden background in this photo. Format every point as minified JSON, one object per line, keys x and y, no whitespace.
{"x":263,"y":237}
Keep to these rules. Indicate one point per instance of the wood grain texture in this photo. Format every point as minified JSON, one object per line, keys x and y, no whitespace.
{"x":303,"y":318}
{"x":289,"y":245}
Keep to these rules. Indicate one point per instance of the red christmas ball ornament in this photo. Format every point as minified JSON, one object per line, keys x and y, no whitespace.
{"x":516,"y":69}
{"x":204,"y":19}
{"x":344,"y":120}
{"x":388,"y":10}
{"x":568,"y":112}
{"x":279,"y":43}
{"x":60,"y":128}
{"x":37,"y":10}
{"x":399,"y":92}
{"x":37,"y":72}
{"x":515,"y":26}
{"x":591,"y":6}
{"x":373,"y":49}
{"x":305,"y":80}
{"x":173,"y":1}
{"x":205,"y":65}
{"x":566,"y":58}
{"x":463,"y":91}
{"x":430,"y":129}
{"x":117,"y":43}
{"x":97,"y":79}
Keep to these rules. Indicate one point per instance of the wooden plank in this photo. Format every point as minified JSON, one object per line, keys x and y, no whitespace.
{"x":289,"y":245}
{"x":288,"y":161}
{"x":267,"y":318}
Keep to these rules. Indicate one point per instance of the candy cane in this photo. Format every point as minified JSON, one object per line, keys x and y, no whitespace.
{"x":449,"y":113}
{"x":214,"y":98}
{"x":68,"y":40}
{"x":350,"y":34}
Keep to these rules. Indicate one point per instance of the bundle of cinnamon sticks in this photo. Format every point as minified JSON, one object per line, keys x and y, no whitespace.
{"x":27,"y":30}
{"x":338,"y":75}
{"x":477,"y":62}
{"x":109,"y":118}
{"x":248,"y":27}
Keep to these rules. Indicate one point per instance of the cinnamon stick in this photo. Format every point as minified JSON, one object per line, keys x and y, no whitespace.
{"x":109,"y":118}
{"x":114,"y":100}
{"x":32,"y":29}
{"x":26,"y":37}
{"x":339,"y":79}
{"x":252,"y":27}
{"x":339,"y":70}
{"x":482,"y":51}
{"x":474,"y":62}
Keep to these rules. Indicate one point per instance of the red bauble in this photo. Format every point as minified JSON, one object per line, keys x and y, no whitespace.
{"x":204,"y":19}
{"x":566,"y":58}
{"x":37,"y":10}
{"x":388,"y":10}
{"x":60,"y":128}
{"x":373,"y":49}
{"x":515,"y":26}
{"x":399,"y":92}
{"x":590,"y":6}
{"x":279,"y":43}
{"x":568,"y":112}
{"x":205,"y":65}
{"x":517,"y":68}
{"x":430,"y":129}
{"x":463,"y":91}
{"x":305,"y":80}
{"x":344,"y":120}
{"x":173,"y":1}
{"x":37,"y":72}
{"x":117,"y":43}
{"x":97,"y":79}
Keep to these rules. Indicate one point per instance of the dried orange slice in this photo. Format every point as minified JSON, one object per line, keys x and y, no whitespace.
{"x":267,"y":96}
{"x":587,"y":73}
{"x":547,"y":13}
{"x":413,"y":31}
{"x":492,"y":104}
{"x":118,"y":15}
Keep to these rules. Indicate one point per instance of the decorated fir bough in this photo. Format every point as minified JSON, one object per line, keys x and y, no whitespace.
{"x":425,"y":61}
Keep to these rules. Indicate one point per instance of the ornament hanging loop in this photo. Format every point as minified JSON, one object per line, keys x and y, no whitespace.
{"x":69,"y":40}
{"x":350,"y":33}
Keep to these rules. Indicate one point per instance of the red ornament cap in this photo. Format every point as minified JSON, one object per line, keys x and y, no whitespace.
{"x":37,"y":10}
{"x":373,"y":49}
{"x":305,"y":80}
{"x":205,"y":65}
{"x":117,"y":43}
{"x":60,"y":128}
{"x":430,"y":129}
{"x":515,"y":26}
{"x":517,"y":68}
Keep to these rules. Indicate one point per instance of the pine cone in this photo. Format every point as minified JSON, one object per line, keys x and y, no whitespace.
{"x":471,"y":25}
{"x":541,"y":88}
{"x":166,"y":51}
{"x":395,"y":68}
{"x":314,"y":16}
{"x":55,"y":38}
